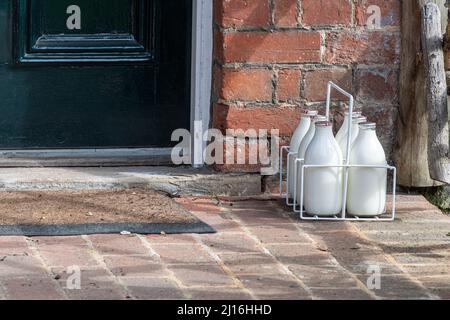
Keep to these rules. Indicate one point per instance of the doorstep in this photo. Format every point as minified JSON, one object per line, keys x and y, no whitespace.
{"x":185,"y":181}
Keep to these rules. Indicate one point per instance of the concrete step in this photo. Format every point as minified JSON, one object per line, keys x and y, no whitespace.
{"x":173,"y":180}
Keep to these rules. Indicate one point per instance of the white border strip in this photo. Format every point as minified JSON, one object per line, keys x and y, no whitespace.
{"x":202,"y":52}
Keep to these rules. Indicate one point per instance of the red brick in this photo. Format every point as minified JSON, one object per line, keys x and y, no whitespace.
{"x":390,"y":12}
{"x":288,"y":86}
{"x":218,"y":48}
{"x":277,"y":47}
{"x":326,"y":12}
{"x":241,"y":13}
{"x":378,"y":85}
{"x":316,"y":82}
{"x":286,"y":13}
{"x":283,"y":118}
{"x":246,"y":84}
{"x":363,"y":48}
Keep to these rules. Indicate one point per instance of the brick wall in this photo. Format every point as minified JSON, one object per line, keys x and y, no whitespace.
{"x":274,"y":57}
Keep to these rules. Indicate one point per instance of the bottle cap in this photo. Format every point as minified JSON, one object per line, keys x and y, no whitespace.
{"x":319,"y":118}
{"x":356,"y":111}
{"x":368,"y":125}
{"x":310,"y":113}
{"x":324,"y":124}
{"x":359,"y":119}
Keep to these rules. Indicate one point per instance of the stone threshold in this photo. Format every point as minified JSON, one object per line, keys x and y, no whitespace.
{"x":177,"y":181}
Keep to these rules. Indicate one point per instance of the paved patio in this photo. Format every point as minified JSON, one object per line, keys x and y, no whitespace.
{"x":261,"y":251}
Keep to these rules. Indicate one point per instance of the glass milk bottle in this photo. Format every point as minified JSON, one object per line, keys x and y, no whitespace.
{"x":304,"y":145}
{"x":323,"y":186}
{"x":367,"y":186}
{"x":296,"y":140}
{"x":355,"y":131}
{"x":344,"y":128}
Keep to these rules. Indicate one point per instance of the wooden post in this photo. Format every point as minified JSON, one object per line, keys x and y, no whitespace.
{"x":411,"y":152}
{"x":438,"y":132}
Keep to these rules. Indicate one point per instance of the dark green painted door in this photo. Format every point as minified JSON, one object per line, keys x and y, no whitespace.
{"x":93,"y":73}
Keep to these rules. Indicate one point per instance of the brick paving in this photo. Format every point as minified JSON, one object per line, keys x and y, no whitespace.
{"x":261,"y":251}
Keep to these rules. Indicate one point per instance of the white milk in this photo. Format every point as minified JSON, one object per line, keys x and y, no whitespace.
{"x":355,"y":131}
{"x":367,"y":186}
{"x":304,"y":145}
{"x":323,"y":186}
{"x":344,"y":128}
{"x":296,"y":140}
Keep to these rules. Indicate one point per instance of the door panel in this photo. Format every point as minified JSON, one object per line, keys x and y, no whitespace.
{"x":118,"y":30}
{"x":122,"y":80}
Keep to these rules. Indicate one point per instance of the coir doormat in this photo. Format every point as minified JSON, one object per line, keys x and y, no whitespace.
{"x":78,"y":212}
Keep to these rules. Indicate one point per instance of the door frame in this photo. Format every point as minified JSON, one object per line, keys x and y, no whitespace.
{"x":201,"y":82}
{"x":201,"y":76}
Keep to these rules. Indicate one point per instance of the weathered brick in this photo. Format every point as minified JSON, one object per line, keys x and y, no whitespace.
{"x":282,"y":233}
{"x":250,"y":263}
{"x":90,"y":278}
{"x":316,"y":83}
{"x":283,"y":118}
{"x":324,"y":277}
{"x":390,"y":12}
{"x":116,"y":244}
{"x":277,"y":47}
{"x":182,"y":254}
{"x":326,"y":12}
{"x":341,"y":294}
{"x":32,"y":288}
{"x":153,"y":288}
{"x":220,"y":222}
{"x":296,"y":254}
{"x":134,"y":266}
{"x":66,"y":253}
{"x":364,"y":48}
{"x":211,"y":293}
{"x":286,"y":13}
{"x":288,"y":85}
{"x":201,"y":275}
{"x":379,"y":85}
{"x":241,"y":13}
{"x":97,"y":294}
{"x":20,"y":266}
{"x":231,"y":243}
{"x":13,"y":246}
{"x":280,"y":286}
{"x":246,"y":84}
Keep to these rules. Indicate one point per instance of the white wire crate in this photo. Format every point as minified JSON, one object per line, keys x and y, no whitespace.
{"x":298,"y":204}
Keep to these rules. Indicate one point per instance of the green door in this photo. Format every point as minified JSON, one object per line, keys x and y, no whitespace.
{"x":93,"y":73}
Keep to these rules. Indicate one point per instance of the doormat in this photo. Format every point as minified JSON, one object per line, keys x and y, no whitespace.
{"x":80,"y":212}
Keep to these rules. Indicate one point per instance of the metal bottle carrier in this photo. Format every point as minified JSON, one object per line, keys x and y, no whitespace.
{"x":297,"y":204}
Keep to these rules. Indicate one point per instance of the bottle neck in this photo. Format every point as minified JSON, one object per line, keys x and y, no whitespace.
{"x":368,"y":134}
{"x":324,"y":131}
{"x":306,"y":120}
